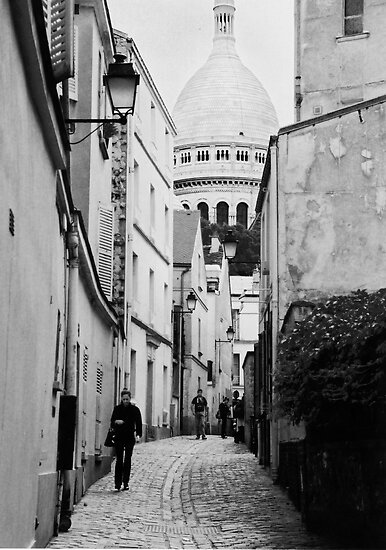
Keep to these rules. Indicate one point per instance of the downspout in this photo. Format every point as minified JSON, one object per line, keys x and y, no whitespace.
{"x":129,"y":246}
{"x":180,"y":358}
{"x":68,"y":401}
{"x":298,"y":88}
{"x":275,"y":307}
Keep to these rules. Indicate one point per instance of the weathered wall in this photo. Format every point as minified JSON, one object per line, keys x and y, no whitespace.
{"x":336,"y":70}
{"x":31,"y":294}
{"x":332,"y":200}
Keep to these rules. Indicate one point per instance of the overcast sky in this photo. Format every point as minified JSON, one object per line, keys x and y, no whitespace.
{"x":174,"y":38}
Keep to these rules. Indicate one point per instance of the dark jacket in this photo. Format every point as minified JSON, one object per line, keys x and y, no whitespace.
{"x":224,"y":410}
{"x":131,"y":415}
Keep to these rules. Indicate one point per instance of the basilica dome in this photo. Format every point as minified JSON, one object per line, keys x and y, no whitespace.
{"x":224,"y":99}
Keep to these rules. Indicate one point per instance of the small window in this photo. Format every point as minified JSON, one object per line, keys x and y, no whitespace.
{"x":204,"y":210}
{"x":353,"y":17}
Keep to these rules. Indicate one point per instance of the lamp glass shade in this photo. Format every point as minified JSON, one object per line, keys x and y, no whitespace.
{"x":191,"y":301}
{"x":230,"y":333}
{"x":229,"y":245}
{"x":121,"y":83}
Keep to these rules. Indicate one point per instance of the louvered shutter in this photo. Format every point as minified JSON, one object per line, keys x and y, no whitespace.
{"x":59,"y":18}
{"x":73,"y":81}
{"x":105,"y":249}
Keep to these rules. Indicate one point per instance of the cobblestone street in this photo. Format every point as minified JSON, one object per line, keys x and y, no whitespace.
{"x":189,"y":494}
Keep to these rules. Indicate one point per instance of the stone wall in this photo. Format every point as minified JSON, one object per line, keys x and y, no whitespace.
{"x":339,"y":487}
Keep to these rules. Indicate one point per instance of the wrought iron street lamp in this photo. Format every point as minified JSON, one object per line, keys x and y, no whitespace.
{"x":230,"y":335}
{"x":229,"y":244}
{"x":121,"y":82}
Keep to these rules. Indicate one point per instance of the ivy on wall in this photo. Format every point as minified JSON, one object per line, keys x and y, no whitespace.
{"x":331,"y":368}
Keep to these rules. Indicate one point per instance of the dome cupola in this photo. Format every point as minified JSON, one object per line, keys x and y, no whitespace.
{"x":224,"y":99}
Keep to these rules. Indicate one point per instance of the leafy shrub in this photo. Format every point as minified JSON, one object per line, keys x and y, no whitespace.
{"x":331,"y":368}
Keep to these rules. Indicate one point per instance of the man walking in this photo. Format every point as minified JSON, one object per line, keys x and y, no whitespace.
{"x":224,"y":410}
{"x":199,"y":407}
{"x":126,"y":421}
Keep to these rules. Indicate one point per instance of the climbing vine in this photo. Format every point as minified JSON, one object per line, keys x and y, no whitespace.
{"x":331,"y":369}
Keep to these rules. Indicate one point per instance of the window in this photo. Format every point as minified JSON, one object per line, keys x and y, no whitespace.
{"x":222,"y":213}
{"x":151,"y":293}
{"x":199,"y":338}
{"x":204,"y":210}
{"x":152,"y":208}
{"x":202,"y":155}
{"x":210,"y":371}
{"x":136,"y":184}
{"x":167,"y":227}
{"x":353,"y":17}
{"x":135,"y":276}
{"x":153,"y":130}
{"x":133,"y":371}
{"x":242,"y":214}
{"x":236,"y":369}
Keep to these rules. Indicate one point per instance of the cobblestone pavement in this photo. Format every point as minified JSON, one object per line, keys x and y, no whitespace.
{"x":189,"y":494}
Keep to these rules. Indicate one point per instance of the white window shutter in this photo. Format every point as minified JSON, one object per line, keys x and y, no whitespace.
{"x":59,"y":18}
{"x":73,"y":81}
{"x":105,"y":249}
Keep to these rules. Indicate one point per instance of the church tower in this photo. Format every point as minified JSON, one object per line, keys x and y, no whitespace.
{"x":224,"y":119}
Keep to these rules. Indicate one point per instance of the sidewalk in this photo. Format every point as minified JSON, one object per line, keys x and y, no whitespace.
{"x":186,"y":493}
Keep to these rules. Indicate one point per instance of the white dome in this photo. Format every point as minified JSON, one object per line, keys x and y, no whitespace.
{"x":224,"y":99}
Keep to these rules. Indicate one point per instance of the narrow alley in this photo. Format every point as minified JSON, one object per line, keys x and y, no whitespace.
{"x":186,"y":493}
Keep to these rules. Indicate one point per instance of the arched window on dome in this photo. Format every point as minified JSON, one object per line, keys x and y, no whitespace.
{"x":222,"y":213}
{"x":198,"y":156}
{"x":242,"y":214}
{"x":204,"y":210}
{"x":207,"y":155}
{"x":238,"y":155}
{"x":218,"y":155}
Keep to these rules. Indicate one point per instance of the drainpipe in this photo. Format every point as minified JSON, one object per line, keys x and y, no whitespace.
{"x":180,"y":358}
{"x":298,"y":62}
{"x":68,"y":401}
{"x":72,"y":321}
{"x":130,"y":205}
{"x":275,"y":307}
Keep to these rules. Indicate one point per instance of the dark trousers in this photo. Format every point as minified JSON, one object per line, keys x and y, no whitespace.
{"x":224,"y":422}
{"x":123,"y":451}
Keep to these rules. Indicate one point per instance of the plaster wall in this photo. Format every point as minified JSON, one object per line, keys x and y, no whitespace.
{"x":332,"y":201}
{"x":151,"y":238}
{"x":337,"y":70}
{"x":90,"y":170}
{"x":95,"y":379}
{"x":31,"y":293}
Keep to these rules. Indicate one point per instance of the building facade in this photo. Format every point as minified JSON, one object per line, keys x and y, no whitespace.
{"x":202,"y":355}
{"x":143,"y":261}
{"x":61,"y":340}
{"x":322,"y":221}
{"x":224,"y":118}
{"x":340,"y":52}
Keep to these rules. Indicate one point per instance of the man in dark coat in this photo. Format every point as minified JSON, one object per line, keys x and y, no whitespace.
{"x":126,"y":421}
{"x":224,"y":410}
{"x":199,"y":407}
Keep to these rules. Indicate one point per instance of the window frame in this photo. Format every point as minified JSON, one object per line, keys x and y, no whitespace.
{"x":352,"y":17}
